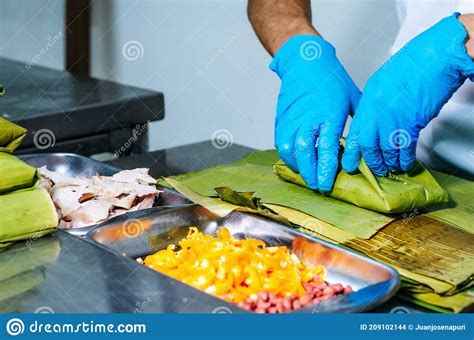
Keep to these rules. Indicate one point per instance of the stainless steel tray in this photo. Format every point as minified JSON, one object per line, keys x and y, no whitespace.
{"x":373,"y":282}
{"x":77,"y":165}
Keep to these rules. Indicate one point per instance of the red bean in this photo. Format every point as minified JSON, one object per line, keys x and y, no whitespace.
{"x":305,"y":300}
{"x":338,"y":288}
{"x":272,"y":310}
{"x":287,"y":303}
{"x":320,"y":286}
{"x":348,"y":289}
{"x":316,"y":292}
{"x":328,"y":291}
{"x":279,"y":307}
{"x":263,"y":296}
{"x":326,"y":297}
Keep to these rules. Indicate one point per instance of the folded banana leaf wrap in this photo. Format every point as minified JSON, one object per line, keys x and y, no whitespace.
{"x":11,"y":135}
{"x":27,"y":214}
{"x":25,"y":211}
{"x":15,"y":174}
{"x":416,"y":189}
{"x":253,"y":175}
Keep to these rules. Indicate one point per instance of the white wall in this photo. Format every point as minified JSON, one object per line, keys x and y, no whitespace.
{"x":28,"y":27}
{"x":205,"y":57}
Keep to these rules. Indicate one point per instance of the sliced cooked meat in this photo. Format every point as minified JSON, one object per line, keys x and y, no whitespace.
{"x":89,"y":213}
{"x":84,"y":201}
{"x":139,"y":175}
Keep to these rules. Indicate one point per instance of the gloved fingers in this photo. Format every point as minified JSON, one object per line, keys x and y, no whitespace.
{"x":328,"y":162}
{"x":391,"y":160}
{"x":351,"y":157}
{"x":408,"y":154}
{"x":305,"y":147}
{"x":287,"y":154}
{"x":369,"y":146}
{"x":355,"y":99}
{"x":390,"y":150}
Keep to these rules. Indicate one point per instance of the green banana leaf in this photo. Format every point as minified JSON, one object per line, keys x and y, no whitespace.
{"x":2,"y":90}
{"x":400,"y":244}
{"x":253,"y":175}
{"x":11,"y":135}
{"x":459,"y":211}
{"x":443,"y":304}
{"x":393,"y":194}
{"x":15,"y":174}
{"x":26,"y":215}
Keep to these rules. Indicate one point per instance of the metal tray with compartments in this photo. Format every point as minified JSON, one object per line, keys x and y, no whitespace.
{"x":142,"y":234}
{"x":77,"y":165}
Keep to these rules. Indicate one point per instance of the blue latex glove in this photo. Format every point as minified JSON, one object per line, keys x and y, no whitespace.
{"x":316,"y":95}
{"x":402,"y":97}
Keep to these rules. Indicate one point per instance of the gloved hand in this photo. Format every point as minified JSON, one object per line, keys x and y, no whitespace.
{"x":315,"y":98}
{"x":402,"y":97}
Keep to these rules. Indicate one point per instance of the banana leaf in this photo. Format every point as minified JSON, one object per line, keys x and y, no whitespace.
{"x":2,"y":90}
{"x":443,"y":304}
{"x":15,"y":174}
{"x":459,"y":211}
{"x":11,"y":135}
{"x":25,"y":215}
{"x":220,"y":207}
{"x":393,"y":194}
{"x":424,"y":250}
{"x":399,"y":244}
{"x":253,"y":174}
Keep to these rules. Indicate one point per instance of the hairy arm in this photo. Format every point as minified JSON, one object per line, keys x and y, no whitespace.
{"x":276,"y":21}
{"x":468,"y":21}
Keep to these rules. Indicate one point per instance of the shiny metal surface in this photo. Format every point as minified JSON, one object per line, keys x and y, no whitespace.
{"x":77,"y":165}
{"x":374,"y":283}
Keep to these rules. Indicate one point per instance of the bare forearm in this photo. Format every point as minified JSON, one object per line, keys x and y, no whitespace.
{"x":468,"y":21}
{"x":276,"y":21}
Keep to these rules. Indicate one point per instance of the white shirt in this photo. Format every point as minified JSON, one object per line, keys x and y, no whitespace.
{"x":447,"y":143}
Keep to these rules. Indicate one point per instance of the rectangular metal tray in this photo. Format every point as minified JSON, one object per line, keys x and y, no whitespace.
{"x":77,"y":165}
{"x":373,"y":282}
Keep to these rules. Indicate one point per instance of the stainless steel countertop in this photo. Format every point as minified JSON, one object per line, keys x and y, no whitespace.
{"x":63,"y":273}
